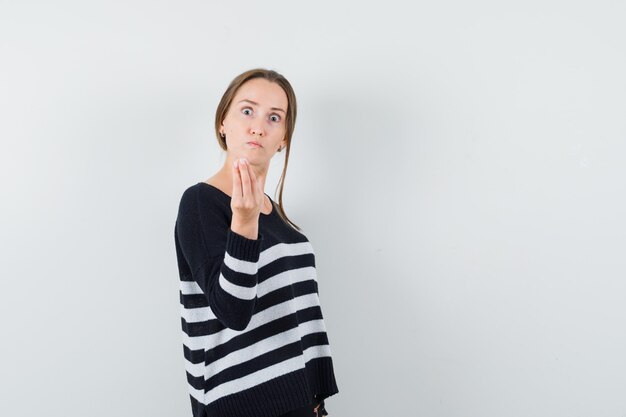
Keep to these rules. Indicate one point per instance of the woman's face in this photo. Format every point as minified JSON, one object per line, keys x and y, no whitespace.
{"x":256,"y":114}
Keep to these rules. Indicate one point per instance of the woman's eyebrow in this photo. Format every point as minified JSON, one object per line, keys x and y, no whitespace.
{"x":256,"y":104}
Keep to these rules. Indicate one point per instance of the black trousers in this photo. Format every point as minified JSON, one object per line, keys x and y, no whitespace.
{"x":308,"y":411}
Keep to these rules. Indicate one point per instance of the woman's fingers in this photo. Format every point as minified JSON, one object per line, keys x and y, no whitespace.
{"x":237,"y":191}
{"x":248,"y":196}
{"x":241,"y":179}
{"x":247,"y":182}
{"x":245,"y":179}
{"x":254,"y":184}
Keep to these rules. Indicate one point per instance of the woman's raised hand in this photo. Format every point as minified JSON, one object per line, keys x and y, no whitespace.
{"x":248,"y":196}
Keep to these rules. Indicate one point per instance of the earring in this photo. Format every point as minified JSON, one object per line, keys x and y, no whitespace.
{"x":222,"y":134}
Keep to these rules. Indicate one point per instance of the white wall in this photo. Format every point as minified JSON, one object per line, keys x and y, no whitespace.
{"x":458,"y":167}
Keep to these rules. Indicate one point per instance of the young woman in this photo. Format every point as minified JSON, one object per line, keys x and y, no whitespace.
{"x":254,"y":338}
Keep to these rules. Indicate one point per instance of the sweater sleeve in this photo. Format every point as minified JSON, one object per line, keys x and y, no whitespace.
{"x":222,"y":262}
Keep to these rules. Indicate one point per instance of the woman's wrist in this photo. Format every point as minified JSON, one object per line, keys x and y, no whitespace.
{"x":249,"y":230}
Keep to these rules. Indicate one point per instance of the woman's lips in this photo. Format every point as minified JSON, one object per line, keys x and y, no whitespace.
{"x":255,"y":144}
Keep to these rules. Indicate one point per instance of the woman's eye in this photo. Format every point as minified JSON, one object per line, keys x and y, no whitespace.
{"x":275,"y":117}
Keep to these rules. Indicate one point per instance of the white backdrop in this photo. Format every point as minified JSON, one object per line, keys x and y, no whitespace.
{"x":458,"y":167}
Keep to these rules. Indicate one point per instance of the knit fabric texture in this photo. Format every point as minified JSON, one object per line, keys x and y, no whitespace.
{"x":254,"y":338}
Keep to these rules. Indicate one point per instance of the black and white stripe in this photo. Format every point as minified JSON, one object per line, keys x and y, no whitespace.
{"x":194,"y":319}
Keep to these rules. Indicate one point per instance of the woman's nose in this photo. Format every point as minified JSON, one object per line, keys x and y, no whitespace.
{"x":257,"y":130}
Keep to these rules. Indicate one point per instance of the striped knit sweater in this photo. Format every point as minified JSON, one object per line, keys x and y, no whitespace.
{"x":254,"y":339}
